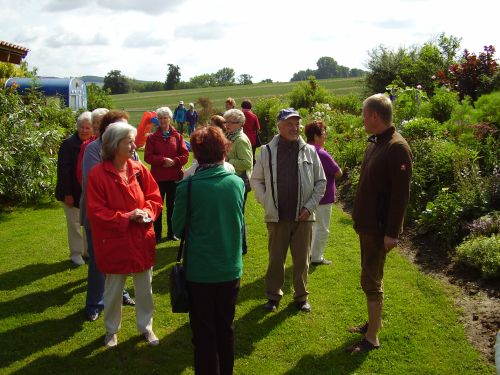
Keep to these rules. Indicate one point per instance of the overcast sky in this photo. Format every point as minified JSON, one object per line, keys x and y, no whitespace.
{"x":263,"y":38}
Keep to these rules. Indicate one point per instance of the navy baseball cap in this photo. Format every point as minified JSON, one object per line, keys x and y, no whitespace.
{"x":287,"y":113}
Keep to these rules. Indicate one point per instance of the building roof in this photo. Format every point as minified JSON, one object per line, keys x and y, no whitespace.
{"x":12,"y":53}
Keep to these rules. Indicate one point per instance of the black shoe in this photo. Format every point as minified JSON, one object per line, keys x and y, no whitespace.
{"x":172,"y":237}
{"x":92,"y":316}
{"x":322,"y":262}
{"x":303,"y":306}
{"x":127,"y":301}
{"x":271,"y":305}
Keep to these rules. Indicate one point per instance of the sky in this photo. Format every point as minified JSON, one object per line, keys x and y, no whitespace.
{"x":262,"y":38}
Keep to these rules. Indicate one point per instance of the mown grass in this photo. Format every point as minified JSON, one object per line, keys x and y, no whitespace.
{"x":43,"y":329}
{"x":137,"y":103}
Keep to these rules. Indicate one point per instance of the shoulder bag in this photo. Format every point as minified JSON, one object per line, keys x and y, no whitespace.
{"x":179,"y":295}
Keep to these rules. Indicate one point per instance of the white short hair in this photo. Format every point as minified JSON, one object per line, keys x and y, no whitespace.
{"x":113,"y":135}
{"x":235,"y":115}
{"x":84,"y":117}
{"x":162,"y":111}
{"x":98,"y":114}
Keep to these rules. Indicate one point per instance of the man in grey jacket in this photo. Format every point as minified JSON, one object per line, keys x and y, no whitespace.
{"x":288,"y":181}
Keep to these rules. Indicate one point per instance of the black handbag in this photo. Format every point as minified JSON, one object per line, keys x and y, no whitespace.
{"x":179,"y":294}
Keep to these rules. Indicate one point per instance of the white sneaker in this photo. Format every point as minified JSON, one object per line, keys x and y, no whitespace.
{"x":78,"y":260}
{"x":151,"y":338}
{"x":110,"y":340}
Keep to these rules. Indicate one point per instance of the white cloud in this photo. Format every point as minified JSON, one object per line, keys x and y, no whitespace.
{"x":64,"y":5}
{"x":68,"y":39}
{"x":152,"y":7}
{"x":144,"y":39}
{"x":206,"y":31}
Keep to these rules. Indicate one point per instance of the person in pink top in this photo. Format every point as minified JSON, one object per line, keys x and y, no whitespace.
{"x":167,"y":153}
{"x":252,"y":125}
{"x":316,"y":135}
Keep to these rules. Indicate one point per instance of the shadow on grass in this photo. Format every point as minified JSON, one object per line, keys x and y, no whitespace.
{"x":40,"y":301}
{"x":28,"y":339}
{"x":26,"y":275}
{"x":336,"y":361}
{"x":131,"y":356}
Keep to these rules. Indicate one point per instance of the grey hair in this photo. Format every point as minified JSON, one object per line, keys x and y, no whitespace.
{"x":162,"y":111}
{"x":113,"y":135}
{"x":84,"y":117}
{"x":98,"y":114}
{"x":235,"y":115}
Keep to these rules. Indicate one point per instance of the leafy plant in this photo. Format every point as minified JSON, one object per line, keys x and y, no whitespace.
{"x":482,"y":253}
{"x":442,"y":104}
{"x":31,"y":128}
{"x":267,"y":110}
{"x":98,"y":98}
{"x":308,"y":94}
{"x":487,"y":109}
{"x":441,"y":217}
{"x":419,"y":128}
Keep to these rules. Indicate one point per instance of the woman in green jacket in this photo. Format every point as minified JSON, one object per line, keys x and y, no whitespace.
{"x":213,"y":250}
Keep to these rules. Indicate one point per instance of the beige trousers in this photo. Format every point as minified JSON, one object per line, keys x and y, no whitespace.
{"x":320,"y":231}
{"x":76,"y":238}
{"x":113,"y":296}
{"x":297,"y":236}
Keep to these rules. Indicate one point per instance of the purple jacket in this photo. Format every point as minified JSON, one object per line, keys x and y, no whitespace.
{"x":330,"y":167}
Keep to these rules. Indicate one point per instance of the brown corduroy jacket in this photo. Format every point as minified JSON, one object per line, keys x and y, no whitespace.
{"x":384,"y":185}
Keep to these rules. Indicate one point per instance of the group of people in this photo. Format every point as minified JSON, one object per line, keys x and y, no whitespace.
{"x":293,"y":179}
{"x":183,"y":115}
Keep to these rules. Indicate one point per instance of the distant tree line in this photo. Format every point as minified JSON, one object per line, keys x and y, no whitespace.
{"x":117,"y":83}
{"x":327,"y":68}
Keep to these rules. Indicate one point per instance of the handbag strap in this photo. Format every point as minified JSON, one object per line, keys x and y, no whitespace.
{"x":188,"y":219}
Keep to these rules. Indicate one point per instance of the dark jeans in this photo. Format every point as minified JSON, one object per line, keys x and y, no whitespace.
{"x":211,"y":317}
{"x":167,"y":192}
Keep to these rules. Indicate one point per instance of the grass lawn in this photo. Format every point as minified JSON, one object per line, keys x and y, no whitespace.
{"x":137,"y":103}
{"x":43,"y":330}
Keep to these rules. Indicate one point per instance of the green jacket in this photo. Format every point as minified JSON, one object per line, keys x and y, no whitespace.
{"x":213,"y":246}
{"x":240,"y":155}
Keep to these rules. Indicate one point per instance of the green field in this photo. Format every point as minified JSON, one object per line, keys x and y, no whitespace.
{"x":137,"y":103}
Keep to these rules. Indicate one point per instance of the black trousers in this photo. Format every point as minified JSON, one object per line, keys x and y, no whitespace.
{"x":167,"y":192}
{"x":211,"y":318}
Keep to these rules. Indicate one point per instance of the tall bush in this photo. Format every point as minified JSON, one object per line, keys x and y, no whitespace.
{"x":267,"y":110}
{"x":308,"y":94}
{"x":31,"y":129}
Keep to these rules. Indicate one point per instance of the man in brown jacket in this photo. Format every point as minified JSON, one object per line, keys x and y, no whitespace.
{"x":381,"y":199}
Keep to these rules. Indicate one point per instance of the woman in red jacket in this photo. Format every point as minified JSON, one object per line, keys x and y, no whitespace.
{"x":167,"y":153}
{"x":122,"y":200}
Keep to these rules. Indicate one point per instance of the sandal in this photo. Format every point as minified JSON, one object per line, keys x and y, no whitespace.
{"x":359,"y":329}
{"x":363,"y":346}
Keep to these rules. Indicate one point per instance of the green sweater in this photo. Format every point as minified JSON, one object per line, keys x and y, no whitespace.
{"x":213,"y":247}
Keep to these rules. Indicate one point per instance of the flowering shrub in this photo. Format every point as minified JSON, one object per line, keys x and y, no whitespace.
{"x":482,"y":253}
{"x":485,"y":225}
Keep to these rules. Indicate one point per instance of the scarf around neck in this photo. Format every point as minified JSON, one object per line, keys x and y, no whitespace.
{"x":234,"y":134}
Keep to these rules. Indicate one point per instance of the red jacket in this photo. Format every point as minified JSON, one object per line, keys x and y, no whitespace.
{"x":158,"y":148}
{"x":252,"y":126}
{"x":79,"y":161}
{"x":122,"y":246}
